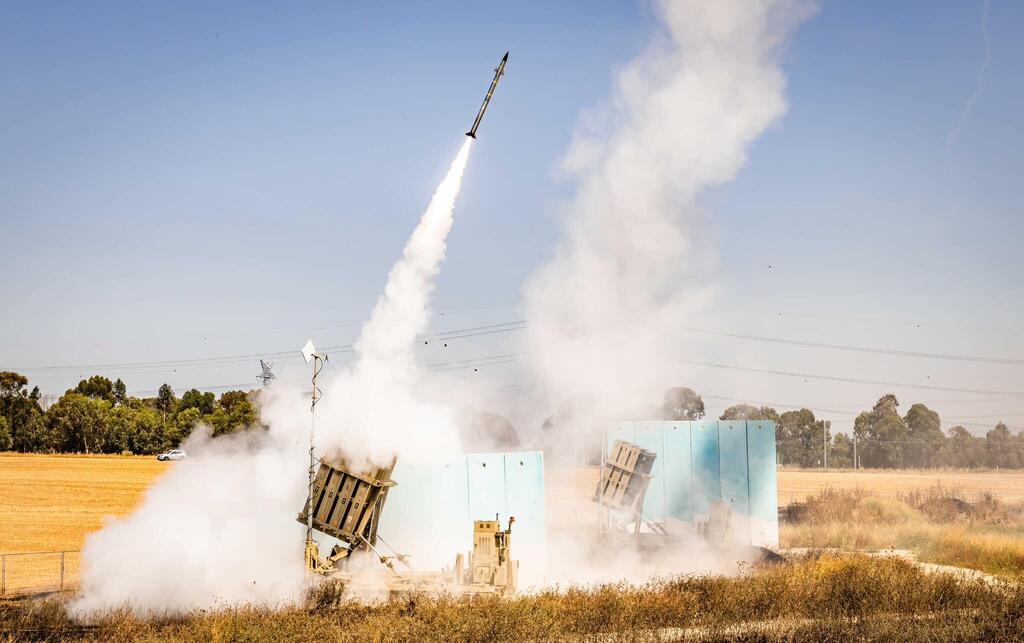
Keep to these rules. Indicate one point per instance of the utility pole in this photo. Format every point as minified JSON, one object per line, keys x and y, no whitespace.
{"x":310,"y":354}
{"x":856,"y":464}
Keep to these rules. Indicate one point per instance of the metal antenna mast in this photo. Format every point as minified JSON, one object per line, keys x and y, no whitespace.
{"x":267,"y":375}
{"x":310,"y":354}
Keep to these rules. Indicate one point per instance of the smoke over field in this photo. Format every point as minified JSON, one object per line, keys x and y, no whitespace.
{"x":219,"y":528}
{"x":636,"y":259}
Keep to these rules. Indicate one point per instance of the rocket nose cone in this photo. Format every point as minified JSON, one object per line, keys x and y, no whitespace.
{"x":505,"y":59}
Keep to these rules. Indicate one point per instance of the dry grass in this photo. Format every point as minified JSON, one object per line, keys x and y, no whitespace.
{"x":942,"y":526}
{"x":822,"y":599}
{"x":796,"y":485}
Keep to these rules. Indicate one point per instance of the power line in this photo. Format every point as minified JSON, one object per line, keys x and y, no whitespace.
{"x":864,"y":349}
{"x":489,"y":360}
{"x":520,"y":324}
{"x":461,"y":333}
{"x":832,"y":378}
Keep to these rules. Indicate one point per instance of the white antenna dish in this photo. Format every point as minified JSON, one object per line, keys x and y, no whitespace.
{"x":308,"y":351}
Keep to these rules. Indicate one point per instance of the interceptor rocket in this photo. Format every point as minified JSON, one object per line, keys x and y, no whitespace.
{"x":487,"y":99}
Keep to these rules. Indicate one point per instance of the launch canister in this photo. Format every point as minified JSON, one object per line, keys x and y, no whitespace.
{"x":487,"y":99}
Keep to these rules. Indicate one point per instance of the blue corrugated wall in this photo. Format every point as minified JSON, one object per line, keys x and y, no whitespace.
{"x":702,"y":462}
{"x":429,"y":513}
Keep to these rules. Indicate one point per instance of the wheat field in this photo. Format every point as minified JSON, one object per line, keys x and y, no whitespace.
{"x":796,"y":485}
{"x":50,"y":503}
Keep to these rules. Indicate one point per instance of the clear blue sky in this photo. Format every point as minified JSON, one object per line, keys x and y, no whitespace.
{"x":195,"y":180}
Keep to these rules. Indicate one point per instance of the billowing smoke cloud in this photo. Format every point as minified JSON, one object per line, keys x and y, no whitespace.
{"x":605,"y":312}
{"x":219,"y":528}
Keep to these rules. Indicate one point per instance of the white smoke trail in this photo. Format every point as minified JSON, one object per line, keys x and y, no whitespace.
{"x":372,"y":409}
{"x":219,"y":528}
{"x":605,"y":312}
{"x":965,"y":115}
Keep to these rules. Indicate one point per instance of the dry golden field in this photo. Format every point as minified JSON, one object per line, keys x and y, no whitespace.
{"x":569,"y":490}
{"x":797,"y":484}
{"x":51,"y":502}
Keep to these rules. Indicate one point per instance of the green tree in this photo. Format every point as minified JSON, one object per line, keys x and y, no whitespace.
{"x":924,"y":436}
{"x":234,"y":411}
{"x":682,"y":403}
{"x":79,"y":423}
{"x":840,"y":455}
{"x":800,"y":438}
{"x":5,"y":435}
{"x":193,"y":399}
{"x":20,"y":409}
{"x":120,"y":427}
{"x":184,"y":423}
{"x":881,"y":434}
{"x":750,"y":412}
{"x":165,"y":401}
{"x":96,"y":387}
{"x":147,"y":432}
{"x":1002,"y":448}
{"x":120,"y":392}
{"x":961,"y":450}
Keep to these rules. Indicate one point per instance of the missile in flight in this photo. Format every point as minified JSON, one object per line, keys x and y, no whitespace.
{"x":487,"y":99}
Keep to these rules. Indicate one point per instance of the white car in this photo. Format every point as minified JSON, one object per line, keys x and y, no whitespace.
{"x":173,"y":454}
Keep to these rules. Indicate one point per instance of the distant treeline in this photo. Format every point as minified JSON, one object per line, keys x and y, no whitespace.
{"x":98,"y":416}
{"x":885,"y":439}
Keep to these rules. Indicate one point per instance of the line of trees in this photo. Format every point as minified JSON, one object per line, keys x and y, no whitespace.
{"x":98,"y":416}
{"x":884,"y":438}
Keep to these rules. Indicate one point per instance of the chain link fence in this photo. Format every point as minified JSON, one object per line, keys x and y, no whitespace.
{"x":38,"y":572}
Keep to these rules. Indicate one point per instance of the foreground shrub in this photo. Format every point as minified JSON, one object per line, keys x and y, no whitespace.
{"x":828,"y":597}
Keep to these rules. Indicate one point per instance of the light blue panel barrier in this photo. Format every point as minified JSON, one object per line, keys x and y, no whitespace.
{"x":524,"y":490}
{"x":649,"y":436}
{"x":620,"y":431}
{"x":678,"y":472}
{"x":707,"y":482}
{"x":732,"y":448}
{"x":702,"y":462}
{"x":487,"y":496}
{"x":427,"y":514}
{"x":430,"y":513}
{"x":764,"y":507}
{"x":524,"y":487}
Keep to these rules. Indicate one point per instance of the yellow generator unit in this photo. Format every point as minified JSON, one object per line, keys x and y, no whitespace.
{"x":490,"y":563}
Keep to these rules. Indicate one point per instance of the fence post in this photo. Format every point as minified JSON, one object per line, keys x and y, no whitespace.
{"x":62,"y":571}
{"x":3,"y":574}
